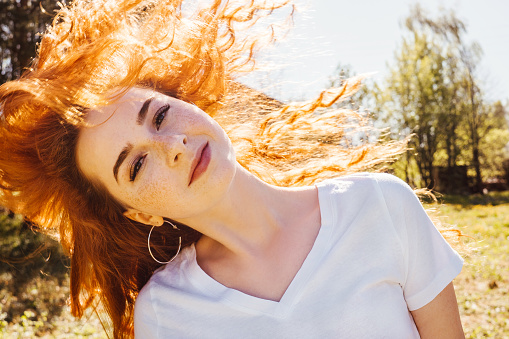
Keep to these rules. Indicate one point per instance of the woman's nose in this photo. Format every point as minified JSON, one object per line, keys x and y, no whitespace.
{"x":173,"y":147}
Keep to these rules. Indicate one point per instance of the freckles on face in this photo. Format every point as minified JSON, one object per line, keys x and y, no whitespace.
{"x":164,"y":196}
{"x":162,"y":148}
{"x":154,"y":196}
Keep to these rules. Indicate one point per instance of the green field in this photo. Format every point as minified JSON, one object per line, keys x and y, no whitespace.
{"x":34,"y":293}
{"x":483,"y":285}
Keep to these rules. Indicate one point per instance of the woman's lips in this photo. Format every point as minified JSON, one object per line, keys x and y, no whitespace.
{"x":202,"y":162}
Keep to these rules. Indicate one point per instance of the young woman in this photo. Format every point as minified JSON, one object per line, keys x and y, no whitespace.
{"x":181,"y":229}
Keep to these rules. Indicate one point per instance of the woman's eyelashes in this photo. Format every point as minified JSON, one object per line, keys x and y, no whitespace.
{"x":135,"y":167}
{"x":157,"y":121}
{"x":160,"y":115}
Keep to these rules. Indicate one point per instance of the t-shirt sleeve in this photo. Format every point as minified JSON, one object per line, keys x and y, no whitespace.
{"x":145,"y":317}
{"x":430,"y":263}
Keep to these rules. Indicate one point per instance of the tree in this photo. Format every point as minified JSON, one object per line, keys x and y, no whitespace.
{"x":434,"y":92}
{"x":414,"y":98}
{"x":493,"y":140}
{"x":451,"y":31}
{"x":20,"y":23}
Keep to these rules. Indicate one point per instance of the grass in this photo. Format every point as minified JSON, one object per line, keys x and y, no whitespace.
{"x":34,"y":290}
{"x":482,"y":287}
{"x":34,"y":293}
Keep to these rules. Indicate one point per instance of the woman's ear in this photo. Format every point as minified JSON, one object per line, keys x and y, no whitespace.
{"x":144,"y":218}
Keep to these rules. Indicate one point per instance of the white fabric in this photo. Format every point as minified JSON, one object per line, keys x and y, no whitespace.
{"x":376,"y":257}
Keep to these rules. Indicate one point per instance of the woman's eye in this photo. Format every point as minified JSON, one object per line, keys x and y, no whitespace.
{"x":135,"y":167}
{"x":160,"y":115}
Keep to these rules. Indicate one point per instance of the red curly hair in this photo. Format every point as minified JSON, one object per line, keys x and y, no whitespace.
{"x":193,"y":54}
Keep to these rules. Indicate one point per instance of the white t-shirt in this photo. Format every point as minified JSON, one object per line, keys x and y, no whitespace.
{"x":377,"y":256}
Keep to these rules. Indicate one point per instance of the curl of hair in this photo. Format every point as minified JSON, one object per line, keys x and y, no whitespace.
{"x":94,"y":48}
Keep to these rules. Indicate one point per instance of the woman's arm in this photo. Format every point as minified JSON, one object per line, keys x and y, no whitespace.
{"x":440,"y":318}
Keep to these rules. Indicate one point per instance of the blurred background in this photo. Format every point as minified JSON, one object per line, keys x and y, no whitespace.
{"x":436,"y":71}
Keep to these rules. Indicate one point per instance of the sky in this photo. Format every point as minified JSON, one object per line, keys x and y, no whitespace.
{"x":365,"y":35}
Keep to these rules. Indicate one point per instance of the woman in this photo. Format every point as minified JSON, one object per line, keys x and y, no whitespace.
{"x":185,"y":230}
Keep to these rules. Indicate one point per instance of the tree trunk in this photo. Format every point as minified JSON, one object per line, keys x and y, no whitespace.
{"x":477,"y":166}
{"x":478,"y":186}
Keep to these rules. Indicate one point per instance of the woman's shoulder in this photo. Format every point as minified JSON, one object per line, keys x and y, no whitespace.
{"x":344,"y":198}
{"x":159,"y":291}
{"x":168,"y":276}
{"x":366,"y":183}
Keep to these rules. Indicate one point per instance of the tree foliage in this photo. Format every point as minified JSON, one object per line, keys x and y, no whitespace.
{"x":20,"y":23}
{"x":434,"y":91}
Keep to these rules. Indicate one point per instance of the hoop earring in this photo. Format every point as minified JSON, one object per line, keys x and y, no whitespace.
{"x":150,"y":251}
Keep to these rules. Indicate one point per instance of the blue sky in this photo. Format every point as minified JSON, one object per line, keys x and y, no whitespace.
{"x":365,"y":33}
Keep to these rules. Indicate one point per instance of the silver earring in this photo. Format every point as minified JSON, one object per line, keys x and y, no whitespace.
{"x":150,"y":251}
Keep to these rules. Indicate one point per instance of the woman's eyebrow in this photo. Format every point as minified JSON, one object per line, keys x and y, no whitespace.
{"x":125,"y":151}
{"x":121,"y":157}
{"x":143,"y":111}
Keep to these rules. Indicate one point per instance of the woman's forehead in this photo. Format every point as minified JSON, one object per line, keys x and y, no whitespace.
{"x":130,"y":102}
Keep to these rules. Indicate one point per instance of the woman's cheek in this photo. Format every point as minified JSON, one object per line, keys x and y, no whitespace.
{"x":155,"y":197}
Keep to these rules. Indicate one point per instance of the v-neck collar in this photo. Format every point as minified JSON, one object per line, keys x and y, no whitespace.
{"x":251,"y":304}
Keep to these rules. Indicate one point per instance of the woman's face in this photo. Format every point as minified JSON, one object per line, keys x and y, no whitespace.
{"x":157,"y":154}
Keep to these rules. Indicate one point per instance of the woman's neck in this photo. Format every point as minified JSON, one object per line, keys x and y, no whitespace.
{"x":252,"y":215}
